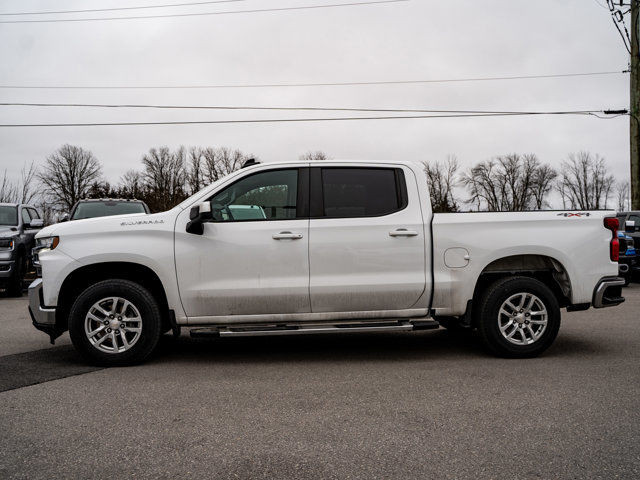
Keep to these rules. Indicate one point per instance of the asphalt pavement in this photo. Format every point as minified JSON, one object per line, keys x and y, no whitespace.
{"x":403,"y":405}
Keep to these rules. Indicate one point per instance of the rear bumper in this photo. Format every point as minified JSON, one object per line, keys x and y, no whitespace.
{"x":608,"y":292}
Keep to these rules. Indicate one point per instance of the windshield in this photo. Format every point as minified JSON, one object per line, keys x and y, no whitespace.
{"x":106,"y":209}
{"x":8,"y":215}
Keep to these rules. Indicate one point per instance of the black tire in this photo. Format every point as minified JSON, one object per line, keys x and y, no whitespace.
{"x":627,"y":279}
{"x":143,"y":301}
{"x":488,"y":321}
{"x":14,"y":286}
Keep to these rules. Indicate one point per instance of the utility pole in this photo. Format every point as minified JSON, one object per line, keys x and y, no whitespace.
{"x":634,"y":110}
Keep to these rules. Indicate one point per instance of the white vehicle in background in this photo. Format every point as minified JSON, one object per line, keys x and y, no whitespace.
{"x":304,"y":247}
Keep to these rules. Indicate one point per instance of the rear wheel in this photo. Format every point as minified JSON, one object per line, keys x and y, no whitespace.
{"x":115,"y":323}
{"x":518,"y":317}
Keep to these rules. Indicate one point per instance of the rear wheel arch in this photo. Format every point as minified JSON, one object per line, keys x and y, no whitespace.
{"x":544,"y":268}
{"x":541,"y":267}
{"x":88,"y":275}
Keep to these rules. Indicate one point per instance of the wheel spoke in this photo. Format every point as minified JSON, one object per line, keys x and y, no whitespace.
{"x":102,"y":339}
{"x":96,"y":331}
{"x":94,"y":318}
{"x":538,"y":322}
{"x":533,"y":335}
{"x":114,"y":340}
{"x":524,"y":337}
{"x":123,"y":336}
{"x":513,"y":307}
{"x":529,"y":306}
{"x":522,"y":301}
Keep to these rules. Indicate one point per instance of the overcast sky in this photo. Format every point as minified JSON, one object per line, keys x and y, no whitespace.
{"x":419,"y":39}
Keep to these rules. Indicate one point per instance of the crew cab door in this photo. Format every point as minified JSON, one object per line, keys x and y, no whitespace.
{"x":253,"y":257}
{"x":367,"y":243}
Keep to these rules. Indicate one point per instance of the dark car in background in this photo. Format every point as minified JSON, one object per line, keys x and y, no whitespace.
{"x":627,"y":259}
{"x":105,"y":207}
{"x":19,"y":224}
{"x":630,"y":224}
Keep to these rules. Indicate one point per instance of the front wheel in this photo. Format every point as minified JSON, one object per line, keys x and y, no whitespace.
{"x":115,"y":323}
{"x":518,"y":317}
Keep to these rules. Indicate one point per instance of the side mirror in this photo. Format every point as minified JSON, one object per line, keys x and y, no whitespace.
{"x":198,"y":215}
{"x":64,"y":218}
{"x":36,"y":223}
{"x":630,"y":226}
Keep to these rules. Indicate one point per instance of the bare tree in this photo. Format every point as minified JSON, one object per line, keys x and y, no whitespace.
{"x":441,"y":178}
{"x":622,"y":190}
{"x":317,"y":155}
{"x":206,"y":165}
{"x":27,"y":191}
{"x":508,"y":183}
{"x":68,"y":174}
{"x":584,"y":182}
{"x":131,"y":185}
{"x":8,"y":191}
{"x":164,"y":177}
{"x":542,"y":185}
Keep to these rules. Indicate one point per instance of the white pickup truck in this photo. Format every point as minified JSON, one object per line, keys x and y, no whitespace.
{"x":332,"y":246}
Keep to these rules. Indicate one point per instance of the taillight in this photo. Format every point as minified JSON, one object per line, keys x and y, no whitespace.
{"x":611,"y":223}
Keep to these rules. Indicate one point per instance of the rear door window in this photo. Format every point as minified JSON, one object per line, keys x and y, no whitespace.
{"x":361,"y":192}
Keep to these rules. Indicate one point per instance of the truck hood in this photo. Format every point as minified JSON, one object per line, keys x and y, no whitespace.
{"x":106,"y":224}
{"x":6,"y":231}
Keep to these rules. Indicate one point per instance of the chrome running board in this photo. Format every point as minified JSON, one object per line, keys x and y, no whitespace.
{"x":265,"y":331}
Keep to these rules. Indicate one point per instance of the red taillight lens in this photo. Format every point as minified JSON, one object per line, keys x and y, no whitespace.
{"x":611,"y":223}
{"x":614,"y":250}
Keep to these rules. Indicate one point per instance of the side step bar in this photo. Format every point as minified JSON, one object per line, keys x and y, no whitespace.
{"x":257,"y":331}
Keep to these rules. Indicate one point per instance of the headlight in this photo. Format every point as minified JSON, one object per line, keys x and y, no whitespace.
{"x":6,"y":243}
{"x":46,"y":243}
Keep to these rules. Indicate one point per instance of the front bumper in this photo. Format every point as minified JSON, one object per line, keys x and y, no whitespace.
{"x":43,"y":318}
{"x":608,"y":292}
{"x":6,"y":269}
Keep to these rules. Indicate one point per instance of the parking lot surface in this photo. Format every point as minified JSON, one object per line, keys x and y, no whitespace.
{"x":403,"y":405}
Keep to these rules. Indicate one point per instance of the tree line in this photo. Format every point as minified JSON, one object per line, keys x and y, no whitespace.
{"x":513,"y":182}
{"x":518,"y":182}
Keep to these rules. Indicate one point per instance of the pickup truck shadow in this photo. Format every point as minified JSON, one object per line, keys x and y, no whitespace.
{"x":367,"y":347}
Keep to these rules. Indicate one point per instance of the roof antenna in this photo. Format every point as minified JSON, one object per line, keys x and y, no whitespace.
{"x":250,"y":162}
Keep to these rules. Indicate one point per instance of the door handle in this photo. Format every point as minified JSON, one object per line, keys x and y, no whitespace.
{"x":286,"y":236}
{"x":403,"y":232}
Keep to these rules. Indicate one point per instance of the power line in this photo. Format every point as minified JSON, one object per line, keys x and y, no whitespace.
{"x":290,"y":120}
{"x":323,"y":84}
{"x":188,"y":4}
{"x":228,"y":12}
{"x":234,"y":107}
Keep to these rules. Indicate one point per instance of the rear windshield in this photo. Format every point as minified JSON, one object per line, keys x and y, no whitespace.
{"x":8,"y":215}
{"x":105,"y":209}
